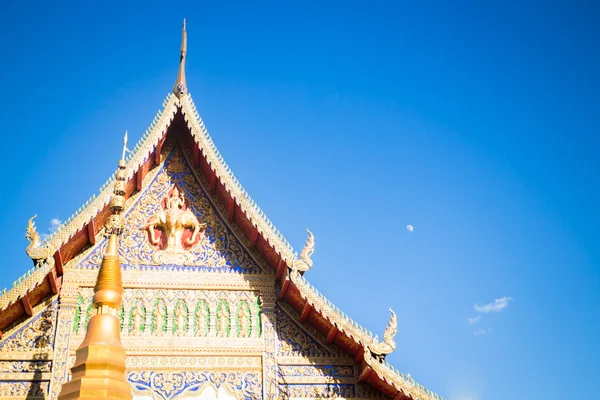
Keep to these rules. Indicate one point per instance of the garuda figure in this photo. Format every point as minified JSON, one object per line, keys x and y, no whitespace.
{"x":174,"y":219}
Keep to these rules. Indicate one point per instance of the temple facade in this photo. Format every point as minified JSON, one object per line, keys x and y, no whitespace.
{"x":215,"y":303}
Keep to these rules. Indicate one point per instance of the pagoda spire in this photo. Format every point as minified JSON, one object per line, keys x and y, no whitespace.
{"x":99,"y":369}
{"x":180,"y":87}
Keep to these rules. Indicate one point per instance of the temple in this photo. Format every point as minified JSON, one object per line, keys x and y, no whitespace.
{"x":171,"y":283}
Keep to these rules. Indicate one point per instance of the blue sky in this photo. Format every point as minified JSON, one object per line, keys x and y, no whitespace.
{"x":476,"y":122}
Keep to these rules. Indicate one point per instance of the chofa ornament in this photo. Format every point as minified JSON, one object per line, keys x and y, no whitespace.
{"x":382,"y":349}
{"x":305,"y":263}
{"x":38,"y":252}
{"x":175,"y":220}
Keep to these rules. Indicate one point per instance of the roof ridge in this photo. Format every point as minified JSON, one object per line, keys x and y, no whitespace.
{"x":358,"y":332}
{"x":23,"y":284}
{"x":134,"y":159}
{"x":228,"y":178}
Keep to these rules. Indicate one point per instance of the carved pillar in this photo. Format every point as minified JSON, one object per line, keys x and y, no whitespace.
{"x":125,"y":322}
{"x":190,"y":330}
{"x":256,"y":319}
{"x":232,"y":318}
{"x":270,"y":387}
{"x":148,"y":320}
{"x":212,"y":329}
{"x":170,"y":315}
{"x":66,"y":312}
{"x":82,"y":317}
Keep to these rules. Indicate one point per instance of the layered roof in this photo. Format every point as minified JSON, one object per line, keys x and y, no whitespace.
{"x":80,"y":230}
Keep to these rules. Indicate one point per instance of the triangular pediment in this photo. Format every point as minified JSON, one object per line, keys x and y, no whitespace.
{"x":162,"y":218}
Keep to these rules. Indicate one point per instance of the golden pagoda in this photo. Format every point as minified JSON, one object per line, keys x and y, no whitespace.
{"x":99,"y":369}
{"x":173,"y":284}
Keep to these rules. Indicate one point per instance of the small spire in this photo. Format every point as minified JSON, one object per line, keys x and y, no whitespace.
{"x":180,"y":87}
{"x":125,"y":149}
{"x":99,"y":369}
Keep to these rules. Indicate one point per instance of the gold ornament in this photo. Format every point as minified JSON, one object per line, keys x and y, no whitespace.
{"x":382,"y":349}
{"x":174,"y":219}
{"x":40,"y":253}
{"x":305,"y":263}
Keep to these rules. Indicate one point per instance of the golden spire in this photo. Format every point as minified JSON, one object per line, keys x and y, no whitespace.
{"x":180,"y":87}
{"x":99,"y":369}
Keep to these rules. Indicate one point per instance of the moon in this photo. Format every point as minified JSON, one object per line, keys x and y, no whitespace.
{"x":410,"y":228}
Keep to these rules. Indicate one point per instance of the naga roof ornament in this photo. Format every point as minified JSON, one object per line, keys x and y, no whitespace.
{"x":305,"y":263}
{"x":380,"y":349}
{"x":180,"y":88}
{"x":39,"y":252}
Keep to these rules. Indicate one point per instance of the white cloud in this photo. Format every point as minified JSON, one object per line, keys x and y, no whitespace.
{"x":481,"y":331}
{"x":495,"y":306}
{"x":55,"y":223}
{"x":473,"y":320}
{"x":410,"y":228}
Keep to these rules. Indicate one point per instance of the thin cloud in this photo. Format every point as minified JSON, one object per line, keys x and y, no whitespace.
{"x":481,"y":332}
{"x":495,"y":306}
{"x":473,"y":320}
{"x":55,"y":223}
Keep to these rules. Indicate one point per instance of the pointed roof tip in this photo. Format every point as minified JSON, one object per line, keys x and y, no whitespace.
{"x":125,"y":149}
{"x":180,"y":87}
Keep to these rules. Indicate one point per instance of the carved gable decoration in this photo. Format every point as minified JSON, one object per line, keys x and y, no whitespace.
{"x":174,"y":227}
{"x":297,"y":339}
{"x":173,"y":223}
{"x":36,"y":334}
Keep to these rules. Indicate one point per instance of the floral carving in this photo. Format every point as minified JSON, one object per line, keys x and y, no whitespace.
{"x":168,"y":385}
{"x":295,"y":340}
{"x":37,"y":333}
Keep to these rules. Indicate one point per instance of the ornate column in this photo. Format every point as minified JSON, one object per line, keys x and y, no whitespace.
{"x":148,"y":320}
{"x":212,"y":328}
{"x":190,"y":330}
{"x":82,"y":317}
{"x":270,"y":387}
{"x":66,"y":312}
{"x":170,"y":315}
{"x":126,"y":310}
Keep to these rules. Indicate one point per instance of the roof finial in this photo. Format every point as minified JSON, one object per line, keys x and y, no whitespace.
{"x":125,"y":149}
{"x":180,"y":87}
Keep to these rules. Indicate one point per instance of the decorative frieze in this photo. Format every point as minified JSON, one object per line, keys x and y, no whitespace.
{"x":185,"y":313}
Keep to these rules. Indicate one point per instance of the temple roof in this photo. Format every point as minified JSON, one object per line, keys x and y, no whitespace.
{"x":81,"y":228}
